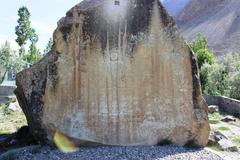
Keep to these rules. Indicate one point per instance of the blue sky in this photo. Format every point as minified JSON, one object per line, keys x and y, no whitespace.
{"x":44,"y":17}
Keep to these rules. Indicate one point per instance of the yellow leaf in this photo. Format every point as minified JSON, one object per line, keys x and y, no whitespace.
{"x":63,"y":143}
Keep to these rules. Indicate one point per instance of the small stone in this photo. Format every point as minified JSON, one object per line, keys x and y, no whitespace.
{"x":227,"y":145}
{"x":211,"y":140}
{"x":14,"y":106}
{"x":219,"y":135}
{"x":214,"y":137}
{"x":228,"y":119}
{"x":213,"y":109}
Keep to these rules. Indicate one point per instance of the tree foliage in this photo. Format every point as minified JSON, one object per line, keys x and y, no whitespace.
{"x":48,"y":47}
{"x":5,"y":55}
{"x":34,"y":54}
{"x":9,"y":60}
{"x":24,"y":34}
{"x":234,"y":84}
{"x":201,"y":51}
{"x":216,"y":79}
{"x":232,"y":65}
{"x":23,"y":29}
{"x":224,"y":78}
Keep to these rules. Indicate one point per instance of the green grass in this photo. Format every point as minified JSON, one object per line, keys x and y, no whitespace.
{"x":214,"y":147}
{"x":10,"y":121}
{"x":213,"y":121}
{"x":223,"y":128}
{"x":215,"y":116}
{"x":4,"y":109}
{"x":237,"y":142}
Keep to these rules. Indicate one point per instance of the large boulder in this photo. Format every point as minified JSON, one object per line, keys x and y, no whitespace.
{"x":119,"y":73}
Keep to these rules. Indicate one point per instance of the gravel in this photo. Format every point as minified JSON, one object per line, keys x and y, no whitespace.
{"x":170,"y":152}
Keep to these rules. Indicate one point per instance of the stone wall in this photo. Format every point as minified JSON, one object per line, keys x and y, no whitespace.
{"x":7,"y":90}
{"x":226,"y":105}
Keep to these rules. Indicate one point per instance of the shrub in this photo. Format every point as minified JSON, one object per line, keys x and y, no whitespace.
{"x":214,"y":78}
{"x":232,"y":65}
{"x":201,"y":51}
{"x":234,"y":86}
{"x":199,"y":47}
{"x":217,"y":79}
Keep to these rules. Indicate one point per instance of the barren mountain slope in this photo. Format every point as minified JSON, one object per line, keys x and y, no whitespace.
{"x":218,"y":20}
{"x":174,"y":7}
{"x":197,"y":8}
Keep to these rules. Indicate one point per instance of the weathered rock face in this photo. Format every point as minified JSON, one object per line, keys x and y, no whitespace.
{"x":119,"y":73}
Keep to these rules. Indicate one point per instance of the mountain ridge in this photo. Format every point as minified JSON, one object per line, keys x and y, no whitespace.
{"x":217,"y":20}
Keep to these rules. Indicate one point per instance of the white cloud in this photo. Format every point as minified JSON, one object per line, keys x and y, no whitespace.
{"x":42,"y":27}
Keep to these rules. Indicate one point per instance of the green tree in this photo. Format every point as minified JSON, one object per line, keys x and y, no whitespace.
{"x":234,"y":85}
{"x":24,"y":34}
{"x":232,"y":65}
{"x":215,"y":79}
{"x":223,"y":78}
{"x":48,"y":47}
{"x":34,"y":54}
{"x":5,"y":54}
{"x":199,"y":47}
{"x":9,"y":60}
{"x":23,"y":29}
{"x":201,"y":51}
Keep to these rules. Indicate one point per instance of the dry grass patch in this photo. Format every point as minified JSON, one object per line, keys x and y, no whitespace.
{"x":10,"y":121}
